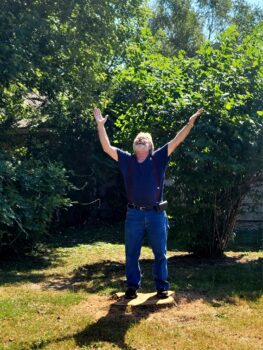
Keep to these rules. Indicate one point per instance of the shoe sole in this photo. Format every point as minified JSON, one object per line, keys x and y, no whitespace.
{"x":160,"y":296}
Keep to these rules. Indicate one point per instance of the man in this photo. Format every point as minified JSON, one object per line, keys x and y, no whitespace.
{"x":143,"y":175}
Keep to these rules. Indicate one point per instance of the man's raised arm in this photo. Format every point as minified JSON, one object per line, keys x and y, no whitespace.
{"x":181,"y":135}
{"x":104,"y":140}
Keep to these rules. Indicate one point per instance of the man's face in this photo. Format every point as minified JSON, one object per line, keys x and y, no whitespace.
{"x":141,"y":143}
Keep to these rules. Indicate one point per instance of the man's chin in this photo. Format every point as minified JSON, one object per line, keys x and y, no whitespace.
{"x":140,"y":148}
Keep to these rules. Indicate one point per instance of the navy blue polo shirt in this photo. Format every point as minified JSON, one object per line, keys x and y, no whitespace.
{"x":144,"y":181}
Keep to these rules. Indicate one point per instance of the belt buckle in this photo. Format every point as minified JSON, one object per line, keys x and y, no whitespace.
{"x":142,"y":208}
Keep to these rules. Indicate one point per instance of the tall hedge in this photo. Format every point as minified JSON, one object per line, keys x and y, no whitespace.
{"x":223,"y":156}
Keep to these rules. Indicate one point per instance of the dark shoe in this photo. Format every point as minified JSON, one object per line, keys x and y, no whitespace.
{"x":162,"y":294}
{"x":130,"y":293}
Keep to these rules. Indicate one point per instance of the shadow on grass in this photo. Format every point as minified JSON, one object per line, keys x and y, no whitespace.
{"x":16,"y":269}
{"x":114,"y":326}
{"x":219,"y":279}
{"x":210,"y":279}
{"x":213,"y":281}
{"x":111,"y":328}
{"x":94,"y":278}
{"x":89,"y":235}
{"x":20,"y":269}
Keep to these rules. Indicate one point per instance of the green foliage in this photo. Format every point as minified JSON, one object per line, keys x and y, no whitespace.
{"x":215,"y":15}
{"x":56,"y":63}
{"x":219,"y":15}
{"x":183,"y":25}
{"x":30,"y":191}
{"x":180,"y":24}
{"x":60,"y":58}
{"x":60,"y":54}
{"x":222,"y":158}
{"x":245,"y":16}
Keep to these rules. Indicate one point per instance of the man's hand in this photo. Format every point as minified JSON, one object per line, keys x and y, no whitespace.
{"x":197,"y":114}
{"x":104,"y":140}
{"x":100,"y":120}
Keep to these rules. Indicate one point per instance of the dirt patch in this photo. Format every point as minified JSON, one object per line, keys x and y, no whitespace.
{"x":184,"y":310}
{"x":95,"y":305}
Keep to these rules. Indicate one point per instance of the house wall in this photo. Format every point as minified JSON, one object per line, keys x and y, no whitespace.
{"x":252,"y":209}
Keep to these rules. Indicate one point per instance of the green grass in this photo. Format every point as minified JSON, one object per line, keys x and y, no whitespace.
{"x":61,"y":297}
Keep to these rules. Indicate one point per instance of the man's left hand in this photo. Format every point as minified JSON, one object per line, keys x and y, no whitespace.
{"x":197,"y":114}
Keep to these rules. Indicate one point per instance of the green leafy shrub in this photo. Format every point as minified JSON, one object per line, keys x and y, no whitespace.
{"x":30,"y":191}
{"x":222,"y":158}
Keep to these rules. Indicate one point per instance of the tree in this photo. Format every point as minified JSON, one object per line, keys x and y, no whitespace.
{"x":57,"y":60}
{"x":180,"y":24}
{"x":215,"y":15}
{"x":218,"y":163}
{"x":184,"y":25}
{"x":62,"y":51}
{"x":246,"y":17}
{"x":218,"y":15}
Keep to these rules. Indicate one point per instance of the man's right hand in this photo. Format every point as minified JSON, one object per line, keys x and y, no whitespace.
{"x":100,"y":120}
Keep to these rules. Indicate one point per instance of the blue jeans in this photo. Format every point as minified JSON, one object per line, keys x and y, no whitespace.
{"x":155,"y":225}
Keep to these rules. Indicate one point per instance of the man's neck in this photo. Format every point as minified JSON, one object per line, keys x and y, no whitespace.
{"x":141,"y":156}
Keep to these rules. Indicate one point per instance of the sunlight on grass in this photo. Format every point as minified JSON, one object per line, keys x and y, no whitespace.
{"x":62,"y":299}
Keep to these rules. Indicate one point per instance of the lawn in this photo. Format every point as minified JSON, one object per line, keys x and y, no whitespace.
{"x":62,"y":297}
